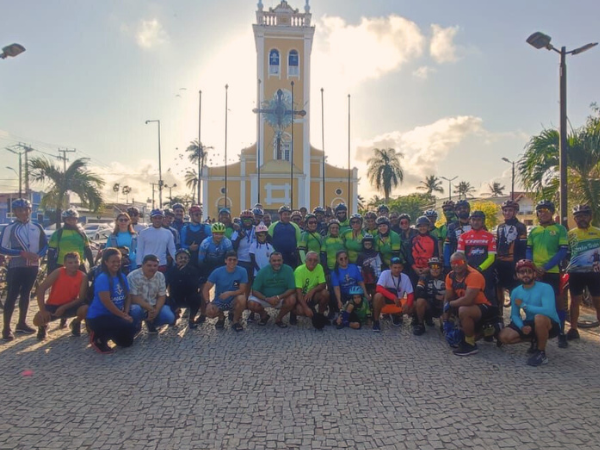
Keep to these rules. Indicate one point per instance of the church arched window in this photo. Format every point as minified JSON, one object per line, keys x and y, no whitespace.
{"x":293,"y":64}
{"x":274,"y":62}
{"x":282,"y":149}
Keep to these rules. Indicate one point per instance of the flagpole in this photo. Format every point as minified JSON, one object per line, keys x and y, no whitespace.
{"x":349,"y":182}
{"x":226,"y":89}
{"x":292,"y":156}
{"x":323,"y":145}
{"x":258,"y":136}
{"x":200,"y":149}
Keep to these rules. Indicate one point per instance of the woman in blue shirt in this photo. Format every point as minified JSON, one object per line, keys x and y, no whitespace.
{"x":123,"y":235}
{"x":345,"y":276}
{"x":111,"y":315}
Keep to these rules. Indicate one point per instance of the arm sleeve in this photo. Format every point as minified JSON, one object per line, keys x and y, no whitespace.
{"x":491,"y":257}
{"x":529,"y":248}
{"x":557,"y":258}
{"x":410,"y":299}
{"x":447,"y":254}
{"x":183,"y":236}
{"x":515,"y":311}
{"x":201,"y":253}
{"x":383,"y":291}
{"x":271,"y":227}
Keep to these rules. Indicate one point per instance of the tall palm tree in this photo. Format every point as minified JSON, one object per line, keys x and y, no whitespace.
{"x":126,"y":190}
{"x":117,"y":188}
{"x":431,"y":184}
{"x":496,"y":189}
{"x":385,"y":171}
{"x":198,"y":152}
{"x":191,"y":180}
{"x":76,"y":179}
{"x":464,"y":188}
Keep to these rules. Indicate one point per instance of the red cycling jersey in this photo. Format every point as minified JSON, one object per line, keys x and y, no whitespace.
{"x":477,"y":245}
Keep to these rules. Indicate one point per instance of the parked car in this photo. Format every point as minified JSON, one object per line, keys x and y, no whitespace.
{"x":92,"y":228}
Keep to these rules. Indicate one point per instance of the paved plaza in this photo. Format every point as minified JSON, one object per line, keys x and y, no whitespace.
{"x":295,"y":388}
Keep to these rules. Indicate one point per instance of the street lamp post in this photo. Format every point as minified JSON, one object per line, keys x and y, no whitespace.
{"x":449,"y":180}
{"x":512,"y":186}
{"x":12,"y":50}
{"x":19,"y":175}
{"x":540,"y":40}
{"x":160,"y":181}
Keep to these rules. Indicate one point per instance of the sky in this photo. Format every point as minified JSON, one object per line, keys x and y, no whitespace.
{"x":453,"y":86}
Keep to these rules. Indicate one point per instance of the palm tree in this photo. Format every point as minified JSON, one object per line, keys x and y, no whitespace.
{"x":539,"y":166}
{"x":76,"y":179}
{"x":191,"y":180}
{"x":464,"y":188}
{"x":126,"y":190}
{"x":198,"y":153}
{"x":431,"y":184}
{"x":385,"y":171}
{"x":116,"y":188}
{"x":496,"y":189}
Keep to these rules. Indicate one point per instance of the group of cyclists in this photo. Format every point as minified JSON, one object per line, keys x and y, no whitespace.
{"x":334,"y":269}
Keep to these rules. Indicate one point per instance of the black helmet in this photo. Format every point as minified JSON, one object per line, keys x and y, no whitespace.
{"x":368,"y":237}
{"x":383,"y":207}
{"x":431,"y":214}
{"x":371,"y":215}
{"x":382,"y":221}
{"x":422,"y":220}
{"x":341,"y":207}
{"x":510,"y":204}
{"x":582,"y":209}
{"x":283,"y":209}
{"x":404,"y":216}
{"x":462,"y":204}
{"x":356,"y":217}
{"x":448,"y":204}
{"x":545,"y":204}
{"x":319,"y":209}
{"x":478,"y":215}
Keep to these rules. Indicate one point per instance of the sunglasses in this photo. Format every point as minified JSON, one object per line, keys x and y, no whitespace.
{"x":457,"y":263}
{"x":123,"y":220}
{"x":543,"y":210}
{"x":435,"y":267}
{"x":343,"y":258}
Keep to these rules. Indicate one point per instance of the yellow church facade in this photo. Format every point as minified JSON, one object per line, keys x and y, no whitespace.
{"x":281,"y":168}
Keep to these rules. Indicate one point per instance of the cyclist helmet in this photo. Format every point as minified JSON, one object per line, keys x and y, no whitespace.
{"x":246,"y":214}
{"x":478,"y":215}
{"x":582,"y":209}
{"x":340,"y":207}
{"x":454,"y":337}
{"x":258,"y":212}
{"x":462,"y":204}
{"x":368,"y":237}
{"x":217,"y":227}
{"x":422,"y":220}
{"x":545,"y":204}
{"x":382,"y":221}
{"x":182,"y":250}
{"x":435,"y":261}
{"x":134,"y":210}
{"x":178,"y":206}
{"x":356,"y":290}
{"x":70,"y":213}
{"x":333,"y":222}
{"x":169,"y":212}
{"x":195,"y":209}
{"x":156,"y":213}
{"x":356,"y":217}
{"x":283,"y":209}
{"x":383,"y":207}
{"x":404,"y":216}
{"x":525,"y":263}
{"x":296,"y":214}
{"x":431,"y":214}
{"x":510,"y":204}
{"x":448,"y":204}
{"x":371,"y":215}
{"x":309,"y":216}
{"x":224,"y":211}
{"x":319,"y":210}
{"x":21,"y":203}
{"x":261,"y":228}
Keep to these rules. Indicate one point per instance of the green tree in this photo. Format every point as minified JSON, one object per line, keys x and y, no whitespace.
{"x":539,"y":167}
{"x":490,"y":210}
{"x":385,"y":171}
{"x":412,"y":204}
{"x":191,"y":180}
{"x":431,"y":184}
{"x":496,"y":189}
{"x":116,"y":188}
{"x":464,"y":188}
{"x":77,"y":179}
{"x":198,"y":152}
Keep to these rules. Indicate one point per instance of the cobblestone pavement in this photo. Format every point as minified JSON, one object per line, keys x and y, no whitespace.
{"x":295,"y":388}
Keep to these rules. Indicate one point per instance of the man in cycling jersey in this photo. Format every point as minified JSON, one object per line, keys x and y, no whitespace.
{"x":423,"y":248}
{"x":455,"y":229}
{"x":511,"y":239}
{"x":213,"y":249}
{"x":341,"y":214}
{"x":69,"y":238}
{"x":285,"y":236}
{"x":429,"y":295}
{"x":179,"y":219}
{"x":193,"y":233}
{"x":449,"y":216}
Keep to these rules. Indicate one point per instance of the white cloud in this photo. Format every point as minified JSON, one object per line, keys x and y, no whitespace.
{"x":441,"y":47}
{"x":150,"y":34}
{"x":423,"y":72}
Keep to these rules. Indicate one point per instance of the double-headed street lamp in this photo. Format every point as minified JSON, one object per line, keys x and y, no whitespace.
{"x":160,"y":182}
{"x":512,"y":185}
{"x":540,"y":40}
{"x":12,"y":50}
{"x":449,"y":180}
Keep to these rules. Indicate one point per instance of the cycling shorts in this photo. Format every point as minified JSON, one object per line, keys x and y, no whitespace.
{"x":578,"y":281}
{"x":554,"y":331}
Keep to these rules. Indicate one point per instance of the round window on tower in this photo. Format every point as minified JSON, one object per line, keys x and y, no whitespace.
{"x":222,"y":190}
{"x":338,"y":192}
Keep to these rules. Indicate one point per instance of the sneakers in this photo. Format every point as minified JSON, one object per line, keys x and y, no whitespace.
{"x":151,"y":328}
{"x":293,"y":319}
{"x":532,"y":348}
{"x":376,"y":326}
{"x":75,"y":328}
{"x":419,"y":329}
{"x":429,"y":321}
{"x":572,"y":334}
{"x":562,"y":341}
{"x":101,"y":347}
{"x":41,"y":334}
{"x":537,"y":359}
{"x":8,"y":335}
{"x":397,"y":320}
{"x":23,"y":328}
{"x":465,"y":349}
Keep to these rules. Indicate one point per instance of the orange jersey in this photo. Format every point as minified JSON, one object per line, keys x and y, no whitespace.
{"x":473,"y":280}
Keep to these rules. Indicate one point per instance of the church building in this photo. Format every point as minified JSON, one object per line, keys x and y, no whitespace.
{"x":281,"y":168}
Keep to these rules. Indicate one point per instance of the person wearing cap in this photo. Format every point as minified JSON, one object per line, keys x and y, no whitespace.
{"x":319,"y":213}
{"x":370,"y":223}
{"x":134,"y":214}
{"x":541,"y":322}
{"x":179,"y":219}
{"x":273,"y":287}
{"x":285,"y":236}
{"x":25,"y":243}
{"x":168,"y":217}
{"x":225,"y":218}
{"x":584,"y":265}
{"x":69,"y":238}
{"x":193,"y":233}
{"x":156,"y":240}
{"x":429,"y":295}
{"x":242,"y":239}
{"x":392,"y":287}
{"x":455,"y":229}
{"x":261,"y":249}
{"x":182,"y":287}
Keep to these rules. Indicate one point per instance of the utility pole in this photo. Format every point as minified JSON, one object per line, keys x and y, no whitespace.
{"x":153,"y":184}
{"x":26,"y":149}
{"x":64,"y":156}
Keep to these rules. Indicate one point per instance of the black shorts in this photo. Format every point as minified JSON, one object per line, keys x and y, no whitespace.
{"x":578,"y":281}
{"x":554,"y":331}
{"x":71,"y":312}
{"x":553,"y":279}
{"x":488,"y":313}
{"x":434,"y":307}
{"x":505,"y":272}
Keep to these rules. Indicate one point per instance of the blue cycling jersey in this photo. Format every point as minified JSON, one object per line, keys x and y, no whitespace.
{"x":213,"y":254}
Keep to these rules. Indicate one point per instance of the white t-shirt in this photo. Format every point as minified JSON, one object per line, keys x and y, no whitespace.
{"x":262,"y":253}
{"x":155,"y":241}
{"x":401,"y":285}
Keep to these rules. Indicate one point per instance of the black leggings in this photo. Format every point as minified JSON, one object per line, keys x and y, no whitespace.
{"x":191,"y":301}
{"x":111,"y":327}
{"x":19,"y":281}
